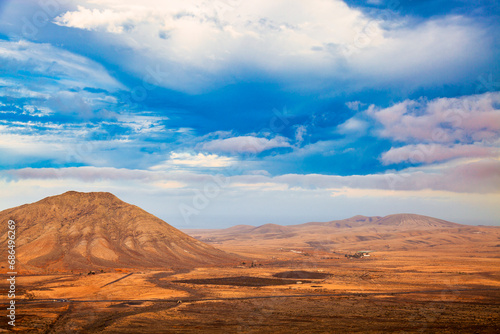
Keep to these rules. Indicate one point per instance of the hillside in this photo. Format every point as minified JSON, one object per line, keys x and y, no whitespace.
{"x":81,"y":231}
{"x":393,"y":232}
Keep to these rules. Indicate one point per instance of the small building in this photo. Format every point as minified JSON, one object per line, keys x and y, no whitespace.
{"x":364,"y":253}
{"x":359,"y":254}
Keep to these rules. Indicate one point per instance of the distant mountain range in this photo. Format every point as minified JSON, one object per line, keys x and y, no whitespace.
{"x":85,"y":231}
{"x":92,"y":231}
{"x":393,"y":232}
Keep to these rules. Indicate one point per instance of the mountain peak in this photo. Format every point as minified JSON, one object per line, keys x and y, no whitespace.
{"x":414,"y":221}
{"x":80,"y":231}
{"x":92,"y":193}
{"x":88,"y":195}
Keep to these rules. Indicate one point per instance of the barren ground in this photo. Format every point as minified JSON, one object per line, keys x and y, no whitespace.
{"x":278,"y":292}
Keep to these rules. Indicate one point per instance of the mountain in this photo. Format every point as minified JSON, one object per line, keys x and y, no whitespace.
{"x":409,"y":221}
{"x":352,"y":222}
{"x":271,"y":229}
{"x":394,"y":232}
{"x":82,"y":231}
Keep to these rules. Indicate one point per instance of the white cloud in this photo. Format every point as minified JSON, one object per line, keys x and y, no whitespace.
{"x":353,"y":126}
{"x":192,"y":41}
{"x":264,"y":186}
{"x":323,"y":147}
{"x":26,"y":142}
{"x":244,"y":144}
{"x":458,"y":130}
{"x":250,"y":205}
{"x":36,"y":111}
{"x":438,"y":50}
{"x":61,"y":144}
{"x":107,"y":20}
{"x":200,"y":160}
{"x":465,"y":193}
{"x":466,"y":119}
{"x":475,"y":176}
{"x":16,"y":90}
{"x":200,"y":45}
{"x":354,"y":105}
{"x":15,"y":146}
{"x":300,"y":132}
{"x":46,"y":60}
{"x":430,"y":153}
{"x":144,"y":124}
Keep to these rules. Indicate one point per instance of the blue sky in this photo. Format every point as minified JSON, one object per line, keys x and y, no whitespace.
{"x":223,"y":112}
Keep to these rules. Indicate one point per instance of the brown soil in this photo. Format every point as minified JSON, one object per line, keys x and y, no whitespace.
{"x":93,"y":231}
{"x":301,"y":274}
{"x":425,"y":276}
{"x":419,"y":292}
{"x":241,"y":281}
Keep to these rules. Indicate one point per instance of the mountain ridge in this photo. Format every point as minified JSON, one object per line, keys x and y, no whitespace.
{"x":358,"y":220}
{"x":402,"y":231}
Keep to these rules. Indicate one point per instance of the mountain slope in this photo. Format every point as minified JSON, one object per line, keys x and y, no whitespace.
{"x":80,"y":231}
{"x":405,"y":220}
{"x":395,"y":232}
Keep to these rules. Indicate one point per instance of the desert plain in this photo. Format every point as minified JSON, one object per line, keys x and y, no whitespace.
{"x":422,"y":275}
{"x":389,"y":292}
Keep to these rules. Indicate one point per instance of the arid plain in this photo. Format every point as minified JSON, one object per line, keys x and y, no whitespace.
{"x":422,"y":274}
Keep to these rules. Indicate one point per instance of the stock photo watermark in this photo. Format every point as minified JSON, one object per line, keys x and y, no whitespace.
{"x":48,"y":10}
{"x":12,"y":273}
{"x":487,"y":83}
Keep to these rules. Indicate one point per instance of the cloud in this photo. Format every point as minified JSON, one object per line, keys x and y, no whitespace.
{"x":436,"y":51}
{"x":466,"y":119}
{"x":13,"y":89}
{"x":107,"y":20}
{"x":250,"y":205}
{"x":45,"y":80}
{"x":300,"y":133}
{"x":61,"y":109}
{"x":245,"y":144}
{"x":61,"y":68}
{"x":441,"y":129}
{"x":200,"y":160}
{"x":201,"y":46}
{"x":431,"y":153}
{"x":15,"y":147}
{"x":466,"y":193}
{"x":70,"y":103}
{"x":354,"y":105}
{"x":482,"y":176}
{"x":118,"y":140}
{"x":144,"y":124}
{"x":353,"y":126}
{"x":475,"y":176}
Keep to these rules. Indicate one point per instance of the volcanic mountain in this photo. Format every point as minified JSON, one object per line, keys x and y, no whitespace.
{"x":393,"y":232}
{"x":82,"y":231}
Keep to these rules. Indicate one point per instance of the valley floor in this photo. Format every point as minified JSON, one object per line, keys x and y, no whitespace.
{"x":316,"y":292}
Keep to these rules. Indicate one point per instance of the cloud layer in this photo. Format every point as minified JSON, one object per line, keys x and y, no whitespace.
{"x":441,"y":129}
{"x":201,"y":45}
{"x":273,"y":108}
{"x":244,"y":144}
{"x":465,"y":119}
{"x":474,"y":176}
